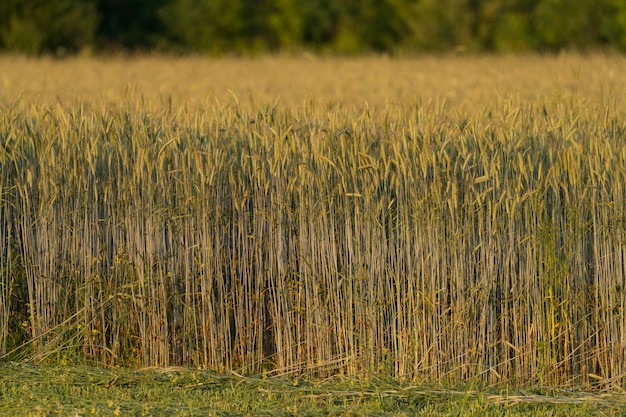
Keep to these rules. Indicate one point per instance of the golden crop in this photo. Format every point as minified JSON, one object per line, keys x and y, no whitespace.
{"x":454,"y":218}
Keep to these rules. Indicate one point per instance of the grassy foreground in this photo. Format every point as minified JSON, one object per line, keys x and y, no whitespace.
{"x":27,"y":390}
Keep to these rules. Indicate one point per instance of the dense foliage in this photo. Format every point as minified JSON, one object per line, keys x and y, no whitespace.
{"x":350,"y":26}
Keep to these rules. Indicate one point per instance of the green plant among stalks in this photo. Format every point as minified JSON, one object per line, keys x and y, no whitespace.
{"x":413,"y":241}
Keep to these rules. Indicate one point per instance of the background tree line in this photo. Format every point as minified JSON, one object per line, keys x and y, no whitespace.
{"x":347,"y":26}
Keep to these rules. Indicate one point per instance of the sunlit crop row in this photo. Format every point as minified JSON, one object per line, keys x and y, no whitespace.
{"x":415,"y":242}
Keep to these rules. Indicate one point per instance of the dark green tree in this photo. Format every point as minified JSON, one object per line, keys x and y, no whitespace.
{"x":214,"y":26}
{"x":285,"y":24}
{"x":613,"y":23}
{"x":440,"y":24}
{"x":382,"y":25}
{"x":130,"y":23}
{"x":567,"y":24}
{"x":320,"y":22}
{"x":512,"y":29}
{"x":41,"y":26}
{"x":347,"y":26}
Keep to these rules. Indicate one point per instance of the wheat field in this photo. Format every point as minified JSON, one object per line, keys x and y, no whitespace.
{"x":432,"y":218}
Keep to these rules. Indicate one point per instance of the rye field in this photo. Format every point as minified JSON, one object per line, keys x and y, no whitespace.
{"x":420,"y":220}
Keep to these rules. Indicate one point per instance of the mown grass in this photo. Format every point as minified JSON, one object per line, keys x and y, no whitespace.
{"x":465,"y":227}
{"x":78,"y":390}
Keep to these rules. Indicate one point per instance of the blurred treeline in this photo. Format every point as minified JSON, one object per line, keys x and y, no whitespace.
{"x":345,"y":26}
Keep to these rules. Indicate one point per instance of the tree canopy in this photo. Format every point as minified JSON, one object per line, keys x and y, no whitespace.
{"x":348,"y":26}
